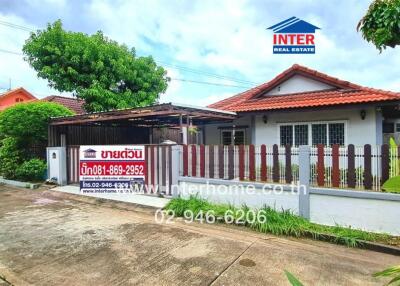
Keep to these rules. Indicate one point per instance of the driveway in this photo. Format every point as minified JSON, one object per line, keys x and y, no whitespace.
{"x":52,"y":238}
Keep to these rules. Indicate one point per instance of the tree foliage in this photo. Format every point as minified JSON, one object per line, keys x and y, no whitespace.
{"x":27,"y":122}
{"x":11,"y":156}
{"x":381,"y":24}
{"x":22,"y":127}
{"x":100,"y":71}
{"x":32,"y":170}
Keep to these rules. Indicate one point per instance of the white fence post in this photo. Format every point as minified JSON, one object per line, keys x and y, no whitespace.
{"x":175,"y":162}
{"x":304,"y":182}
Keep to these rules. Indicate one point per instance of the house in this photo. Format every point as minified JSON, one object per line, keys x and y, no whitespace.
{"x":74,"y":104}
{"x":14,"y":96}
{"x":301,"y":106}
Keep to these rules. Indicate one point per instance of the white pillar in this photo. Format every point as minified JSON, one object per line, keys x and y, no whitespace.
{"x":304,"y":181}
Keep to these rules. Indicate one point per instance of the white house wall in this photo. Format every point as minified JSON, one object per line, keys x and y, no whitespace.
{"x":297,"y":84}
{"x":358,"y":132}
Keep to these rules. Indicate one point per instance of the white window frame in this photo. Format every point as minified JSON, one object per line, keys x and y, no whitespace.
{"x":232,"y":131}
{"x":310,"y":123}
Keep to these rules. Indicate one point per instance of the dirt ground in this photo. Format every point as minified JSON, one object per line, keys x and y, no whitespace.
{"x":51,"y":238}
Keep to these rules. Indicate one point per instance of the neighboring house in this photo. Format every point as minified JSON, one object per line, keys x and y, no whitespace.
{"x":74,"y":104}
{"x":12,"y":97}
{"x":302,"y":106}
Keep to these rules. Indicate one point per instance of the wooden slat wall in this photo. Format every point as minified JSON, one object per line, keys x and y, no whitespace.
{"x":73,"y":165}
{"x":110,"y":135}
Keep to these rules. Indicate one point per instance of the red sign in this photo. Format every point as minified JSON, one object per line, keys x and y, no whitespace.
{"x":111,"y":168}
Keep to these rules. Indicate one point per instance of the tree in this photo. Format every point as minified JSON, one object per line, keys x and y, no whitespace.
{"x":100,"y":71}
{"x":27,"y":122}
{"x":22,"y":127}
{"x":381,"y":24}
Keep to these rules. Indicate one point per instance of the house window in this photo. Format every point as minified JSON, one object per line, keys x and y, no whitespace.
{"x":388,"y":127}
{"x":336,"y":133}
{"x":319,"y":134}
{"x":397,"y":127}
{"x":312,"y":133}
{"x":300,"y":135}
{"x":286,"y":134}
{"x":229,"y":137}
{"x":239,"y":137}
{"x":19,"y":99}
{"x":226,"y":137}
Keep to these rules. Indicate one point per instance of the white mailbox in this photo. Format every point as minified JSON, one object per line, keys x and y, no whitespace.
{"x":57,"y":164}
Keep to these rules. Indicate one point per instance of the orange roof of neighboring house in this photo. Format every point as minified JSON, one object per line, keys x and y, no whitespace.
{"x":342,"y":92}
{"x":12,"y":97}
{"x":74,"y":104}
{"x":17,"y":91}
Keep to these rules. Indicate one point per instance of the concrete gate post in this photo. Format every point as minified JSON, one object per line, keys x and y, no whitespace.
{"x":175,"y":163}
{"x":304,"y":182}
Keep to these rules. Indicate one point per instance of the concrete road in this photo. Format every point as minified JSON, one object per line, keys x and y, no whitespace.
{"x":50,"y":238}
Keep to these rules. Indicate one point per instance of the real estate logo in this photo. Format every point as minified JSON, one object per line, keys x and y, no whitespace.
{"x":293,"y":36}
{"x":89,"y":153}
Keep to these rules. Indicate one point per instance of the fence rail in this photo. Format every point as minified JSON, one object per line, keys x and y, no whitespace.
{"x":364,"y":167}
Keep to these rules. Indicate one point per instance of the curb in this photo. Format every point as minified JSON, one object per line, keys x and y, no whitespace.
{"x":14,"y":183}
{"x":361,"y":244}
{"x":103,"y":202}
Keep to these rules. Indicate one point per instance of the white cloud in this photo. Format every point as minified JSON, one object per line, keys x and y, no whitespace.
{"x":173,"y":92}
{"x":13,"y":67}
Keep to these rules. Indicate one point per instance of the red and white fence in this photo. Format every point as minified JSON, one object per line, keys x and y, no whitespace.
{"x":363,"y":167}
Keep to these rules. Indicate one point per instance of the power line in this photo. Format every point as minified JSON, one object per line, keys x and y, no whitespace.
{"x":209,"y":83}
{"x":178,"y":67}
{"x":205,"y":73}
{"x":11,"y":52}
{"x":176,"y":79}
{"x":16,"y":26}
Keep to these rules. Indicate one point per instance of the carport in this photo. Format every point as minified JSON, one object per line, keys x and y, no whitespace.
{"x":150,"y":126}
{"x":153,"y":124}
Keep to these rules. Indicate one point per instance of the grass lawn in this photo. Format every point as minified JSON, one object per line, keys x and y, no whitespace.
{"x":278,"y":223}
{"x":392,"y":185}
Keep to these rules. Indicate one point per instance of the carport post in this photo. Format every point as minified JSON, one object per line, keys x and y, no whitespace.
{"x":175,"y":149}
{"x":304,"y":182}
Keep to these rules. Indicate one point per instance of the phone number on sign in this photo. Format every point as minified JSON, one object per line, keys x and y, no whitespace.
{"x":230,"y":216}
{"x":111,"y":169}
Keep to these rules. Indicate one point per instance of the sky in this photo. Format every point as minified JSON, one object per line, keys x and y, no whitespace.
{"x":224,"y":44}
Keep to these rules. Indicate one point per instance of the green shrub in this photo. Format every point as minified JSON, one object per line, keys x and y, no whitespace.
{"x":27,"y":122}
{"x":394,"y":162}
{"x":11,"y":155}
{"x":392,"y":185}
{"x":22,"y":127}
{"x":32,"y":170}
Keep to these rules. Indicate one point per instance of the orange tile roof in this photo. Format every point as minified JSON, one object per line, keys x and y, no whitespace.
{"x":343,"y":92}
{"x":16,"y":91}
{"x":76,"y":105}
